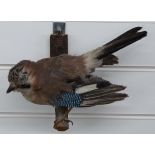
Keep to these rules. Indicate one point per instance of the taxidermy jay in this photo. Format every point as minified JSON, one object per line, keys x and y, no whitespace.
{"x":53,"y":81}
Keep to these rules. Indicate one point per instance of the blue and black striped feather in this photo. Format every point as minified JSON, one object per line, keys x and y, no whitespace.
{"x":98,"y":96}
{"x":69,"y":100}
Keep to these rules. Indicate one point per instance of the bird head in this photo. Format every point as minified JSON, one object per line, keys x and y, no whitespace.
{"x":18,"y":76}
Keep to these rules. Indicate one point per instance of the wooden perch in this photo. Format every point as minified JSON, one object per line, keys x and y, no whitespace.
{"x":61,"y":122}
{"x":61,"y":114}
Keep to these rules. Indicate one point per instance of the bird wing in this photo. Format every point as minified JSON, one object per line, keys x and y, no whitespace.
{"x":61,"y":93}
{"x":98,"y":96}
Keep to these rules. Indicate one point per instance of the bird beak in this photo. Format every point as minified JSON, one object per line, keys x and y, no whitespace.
{"x":11,"y":88}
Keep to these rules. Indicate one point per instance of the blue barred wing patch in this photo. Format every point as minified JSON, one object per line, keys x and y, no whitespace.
{"x":69,"y":100}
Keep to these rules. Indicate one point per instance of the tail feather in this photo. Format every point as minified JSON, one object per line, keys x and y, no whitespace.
{"x":126,"y":34}
{"x":111,"y":59}
{"x":103,"y":54}
{"x":102,"y":96}
{"x":123,"y":42}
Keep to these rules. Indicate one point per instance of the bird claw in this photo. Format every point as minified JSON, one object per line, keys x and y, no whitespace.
{"x":65,"y":120}
{"x":68,"y":121}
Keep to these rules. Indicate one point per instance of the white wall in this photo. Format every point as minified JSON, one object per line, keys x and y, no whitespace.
{"x":136,"y":70}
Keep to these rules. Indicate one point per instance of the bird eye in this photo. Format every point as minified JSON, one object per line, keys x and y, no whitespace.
{"x":23,"y":78}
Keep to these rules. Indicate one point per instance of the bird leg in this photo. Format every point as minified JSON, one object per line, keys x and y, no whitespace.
{"x":66,"y":116}
{"x":61,"y":122}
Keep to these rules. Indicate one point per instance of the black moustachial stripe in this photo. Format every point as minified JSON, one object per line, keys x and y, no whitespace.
{"x":25,"y":86}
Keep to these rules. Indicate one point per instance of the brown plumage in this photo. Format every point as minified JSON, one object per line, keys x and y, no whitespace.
{"x":43,"y":81}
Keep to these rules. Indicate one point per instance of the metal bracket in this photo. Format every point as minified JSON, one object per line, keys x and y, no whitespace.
{"x":58,"y":40}
{"x":59,"y":27}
